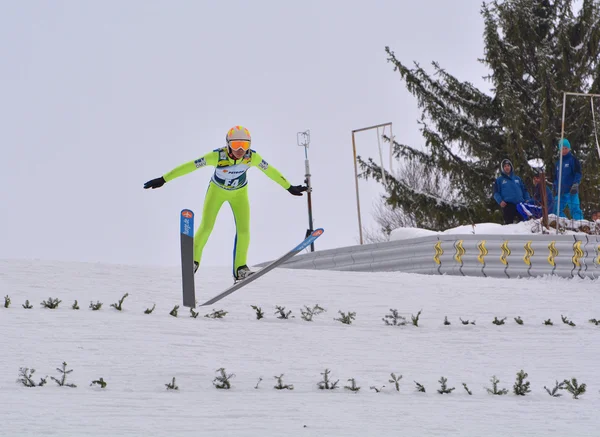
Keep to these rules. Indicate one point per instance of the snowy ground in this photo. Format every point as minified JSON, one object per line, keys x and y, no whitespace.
{"x":137,"y":354}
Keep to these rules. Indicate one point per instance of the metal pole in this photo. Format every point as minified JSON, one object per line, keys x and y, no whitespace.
{"x":562,"y":135}
{"x":356,"y":180}
{"x":305,"y":144}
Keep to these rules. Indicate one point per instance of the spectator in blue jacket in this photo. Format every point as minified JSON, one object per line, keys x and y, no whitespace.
{"x":509,"y":191}
{"x":571,"y":177}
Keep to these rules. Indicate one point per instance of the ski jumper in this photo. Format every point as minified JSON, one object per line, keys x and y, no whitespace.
{"x":228,"y":184}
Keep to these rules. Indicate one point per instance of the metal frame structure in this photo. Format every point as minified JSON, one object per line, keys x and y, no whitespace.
{"x":356,"y":167}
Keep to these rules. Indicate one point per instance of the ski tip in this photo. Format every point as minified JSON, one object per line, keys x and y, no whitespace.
{"x":317,"y":232}
{"x":187,"y":213}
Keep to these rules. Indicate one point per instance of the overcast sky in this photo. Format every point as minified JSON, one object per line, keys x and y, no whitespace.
{"x":97,"y":97}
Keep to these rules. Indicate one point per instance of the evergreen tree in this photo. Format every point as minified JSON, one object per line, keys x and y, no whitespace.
{"x":534,"y":50}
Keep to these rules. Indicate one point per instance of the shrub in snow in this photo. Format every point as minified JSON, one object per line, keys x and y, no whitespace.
{"x":75,"y":306}
{"x":415,"y":319}
{"x":567,"y":321}
{"x":63,"y":378}
{"x":548,"y":322}
{"x":51,"y":303}
{"x":420,"y":387}
{"x":467,"y":388}
{"x":95,"y":306}
{"x":554,"y":391}
{"x":26,"y":378}
{"x":119,"y":305}
{"x":595,"y":322}
{"x":171,"y":385}
{"x":352,"y":387}
{"x":498,"y":322}
{"x":193,"y":313}
{"x":466,"y":322}
{"x":519,"y":320}
{"x":174,"y":311}
{"x":346,"y":318}
{"x":308,"y":313}
{"x":6,"y":301}
{"x":99,"y":382}
{"x":282,"y":314}
{"x":326,"y":384}
{"x":27,"y":305}
{"x":216,"y":314}
{"x":280,"y":385}
{"x":259,"y":380}
{"x":446,"y":321}
{"x":259,"y":312}
{"x":394,"y":319}
{"x":395,"y":380}
{"x":444,"y":389}
{"x":222,"y":380}
{"x":574,"y":388}
{"x":521,"y":388}
{"x":149,"y":310}
{"x":494,"y":390}
{"x":377,"y":389}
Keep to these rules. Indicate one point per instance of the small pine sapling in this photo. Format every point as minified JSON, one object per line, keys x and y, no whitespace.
{"x":554,"y":391}
{"x":567,"y":321}
{"x":519,"y":320}
{"x":171,"y":385}
{"x":63,"y":379}
{"x":75,"y":305}
{"x":394,"y":319}
{"x":466,"y":322}
{"x":326,"y":384}
{"x":26,"y":378}
{"x":352,"y":387}
{"x":6,"y":301}
{"x":548,"y":322}
{"x":219,"y":314}
{"x":415,"y":319}
{"x":101,"y":382}
{"x":174,"y":311}
{"x":259,"y":380}
{"x":467,"y":389}
{"x":222,"y":381}
{"x":395,"y":380}
{"x":444,"y":388}
{"x":259,"y":312}
{"x":119,"y":305}
{"x":346,"y":318}
{"x":446,"y":321}
{"x":420,"y":387}
{"x":193,"y":314}
{"x":280,"y":385}
{"x":149,"y":310}
{"x":27,"y":305}
{"x":521,"y":388}
{"x":308,"y":313}
{"x":282,"y":314}
{"x":595,"y":322}
{"x":494,"y":390}
{"x":95,"y":306}
{"x":497,"y":321}
{"x":574,"y":388}
{"x":51,"y":303}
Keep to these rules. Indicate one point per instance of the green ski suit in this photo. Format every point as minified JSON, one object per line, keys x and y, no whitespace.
{"x":228,"y":184}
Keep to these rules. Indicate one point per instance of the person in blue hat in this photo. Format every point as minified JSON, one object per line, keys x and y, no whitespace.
{"x":569,"y":182}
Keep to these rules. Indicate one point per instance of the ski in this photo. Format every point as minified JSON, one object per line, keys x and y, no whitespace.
{"x":187,"y":258}
{"x":236,"y":286}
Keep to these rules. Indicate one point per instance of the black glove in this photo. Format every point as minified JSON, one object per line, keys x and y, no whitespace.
{"x":297,"y":190}
{"x":574,"y":189}
{"x":155,"y":183}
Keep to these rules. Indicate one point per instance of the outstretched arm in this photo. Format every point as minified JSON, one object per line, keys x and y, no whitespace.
{"x":269,"y":170}
{"x":210,"y":158}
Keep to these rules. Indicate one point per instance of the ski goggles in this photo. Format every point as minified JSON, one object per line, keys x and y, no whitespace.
{"x":239,"y":145}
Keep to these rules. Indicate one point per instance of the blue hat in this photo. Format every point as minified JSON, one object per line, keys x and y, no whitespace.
{"x":564,"y":143}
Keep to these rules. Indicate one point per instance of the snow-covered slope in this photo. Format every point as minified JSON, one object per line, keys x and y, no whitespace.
{"x":137,"y":354}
